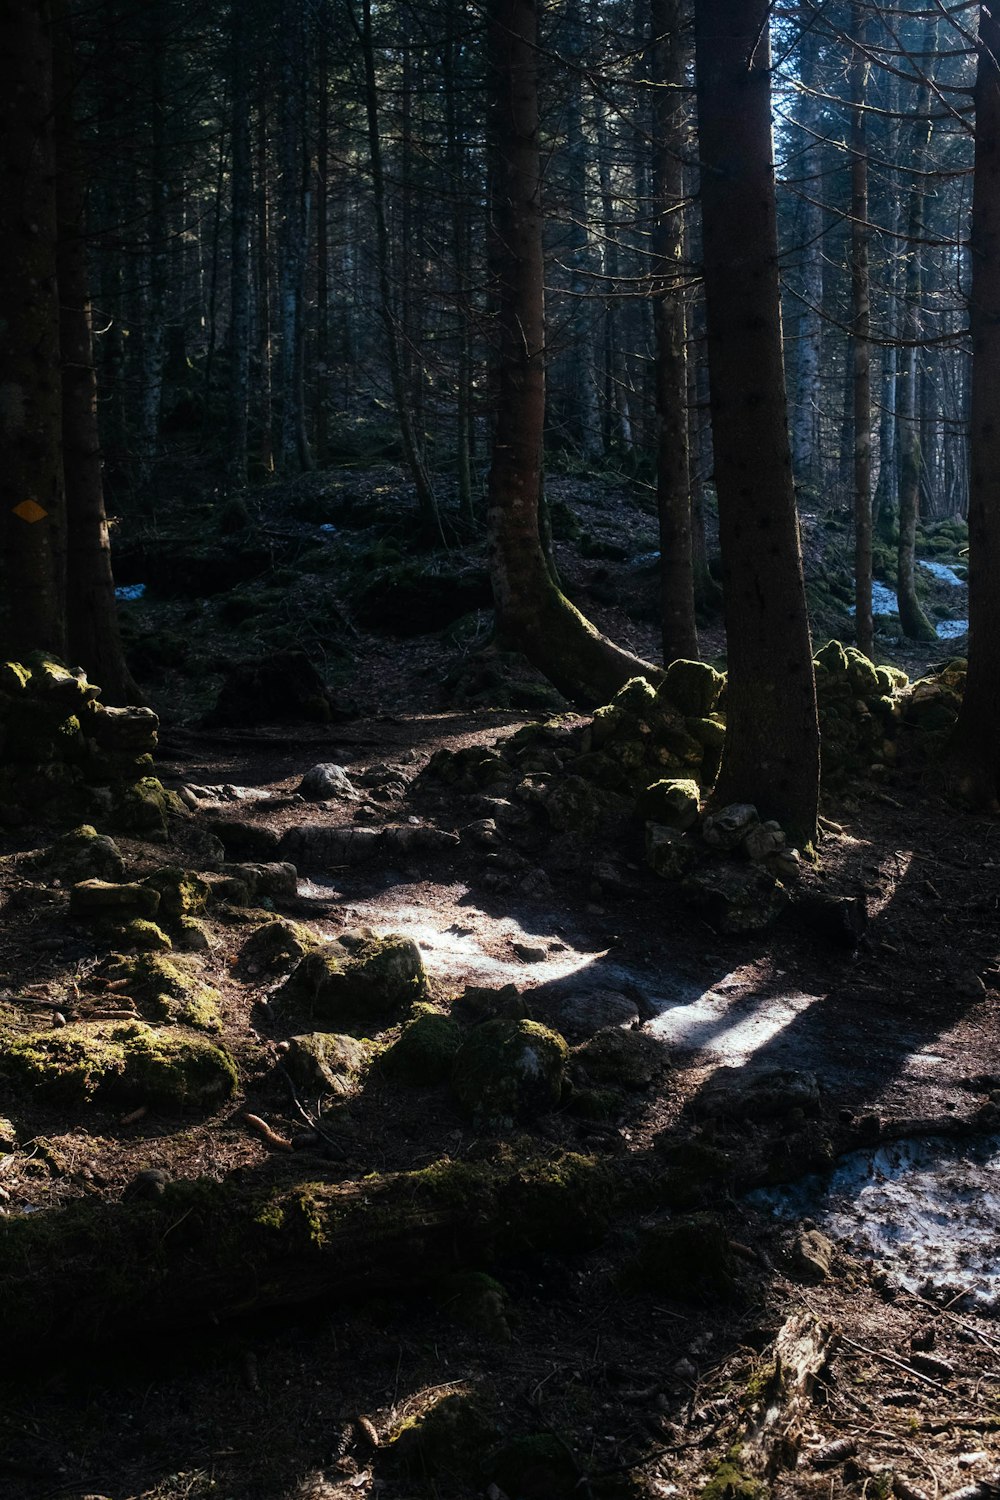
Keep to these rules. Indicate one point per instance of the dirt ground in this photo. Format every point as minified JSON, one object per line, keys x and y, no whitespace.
{"x":638,"y":1389}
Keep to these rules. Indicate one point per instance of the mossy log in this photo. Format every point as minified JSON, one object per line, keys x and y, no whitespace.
{"x":204,"y":1251}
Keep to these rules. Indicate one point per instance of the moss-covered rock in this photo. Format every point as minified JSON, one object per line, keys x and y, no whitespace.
{"x":145,"y":807}
{"x":99,"y":900}
{"x":668,"y":853}
{"x":688,"y":1258}
{"x":729,"y":1482}
{"x":360,"y":982}
{"x":692,"y":686}
{"x":736,"y":898}
{"x":623,"y":1059}
{"x":83,"y":854}
{"x":672,"y":802}
{"x":509,"y":1070}
{"x":182,"y":892}
{"x":120,"y":1063}
{"x":426,"y":1050}
{"x":325,"y":1062}
{"x":144,"y":936}
{"x":477,"y":1302}
{"x":193,"y":935}
{"x":276,"y":945}
{"x":449,"y":1439}
{"x":168,"y":989}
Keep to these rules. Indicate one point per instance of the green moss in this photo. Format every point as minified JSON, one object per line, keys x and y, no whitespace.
{"x":625,"y":1059}
{"x":277,"y":944}
{"x":672,"y":802}
{"x":167,"y":990}
{"x":325,"y":1062}
{"x":476,"y":1301}
{"x":145,"y":807}
{"x":82,"y":854}
{"x":509,"y":1070}
{"x":449,"y":1439}
{"x":728,"y":1482}
{"x":144,"y":936}
{"x":120,"y":1063}
{"x":694,"y":687}
{"x":182,"y":893}
{"x":361,"y":982}
{"x":425,"y":1051}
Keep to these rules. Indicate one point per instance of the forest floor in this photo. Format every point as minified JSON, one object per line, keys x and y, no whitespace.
{"x":774,"y":1055}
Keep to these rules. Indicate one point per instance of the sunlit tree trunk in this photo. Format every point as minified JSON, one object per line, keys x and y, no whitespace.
{"x":771,"y":754}
{"x":805,"y":426}
{"x":32,"y":503}
{"x":531,"y":612}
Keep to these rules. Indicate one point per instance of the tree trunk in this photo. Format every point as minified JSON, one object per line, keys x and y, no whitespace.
{"x":263,"y":264}
{"x":293,"y":453}
{"x":154,"y":293}
{"x":239,"y":270}
{"x":973,"y":754}
{"x":322,"y":383}
{"x":805,"y":426}
{"x":861,"y":346}
{"x":32,"y":501}
{"x":92,"y":616}
{"x":531,"y":612}
{"x":584,"y":418}
{"x":673,"y":478}
{"x":771,"y":755}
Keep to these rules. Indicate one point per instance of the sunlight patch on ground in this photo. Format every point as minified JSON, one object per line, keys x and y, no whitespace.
{"x":731,"y":1028}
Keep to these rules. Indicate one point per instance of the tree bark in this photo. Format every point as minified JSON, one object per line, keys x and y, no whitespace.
{"x":32,"y":501}
{"x":293,"y":450}
{"x":94,"y":638}
{"x":239,"y":269}
{"x":861,"y":346}
{"x":973,"y":753}
{"x":805,"y":426}
{"x":771,"y":754}
{"x":531,"y":612}
{"x":679,"y":630}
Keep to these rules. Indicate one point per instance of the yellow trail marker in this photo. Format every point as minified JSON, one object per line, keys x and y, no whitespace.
{"x":30,"y":511}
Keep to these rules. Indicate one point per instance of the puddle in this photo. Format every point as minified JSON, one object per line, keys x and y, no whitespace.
{"x":927,"y":1210}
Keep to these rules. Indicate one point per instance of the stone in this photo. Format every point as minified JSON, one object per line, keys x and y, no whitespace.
{"x":240,"y":840}
{"x":623,"y":1059}
{"x":483,"y":832}
{"x":83,"y":854}
{"x":694,"y":687}
{"x":358,"y":982}
{"x":97,"y":899}
{"x":760,"y":1094}
{"x":426,"y":1050}
{"x":327,"y":781}
{"x":529,"y":953}
{"x":144,"y":937}
{"x":281,"y":687}
{"x":8,"y":1136}
{"x":193,"y":935}
{"x":145,"y":806}
{"x":120,"y":1063}
{"x":729,"y":826}
{"x":668,"y":853}
{"x":476,"y":1301}
{"x":168,"y":989}
{"x":317,"y":846}
{"x":509,"y":1070}
{"x":182,"y":892}
{"x":446,"y":1440}
{"x":763,"y":840}
{"x":813,"y":1255}
{"x":325,"y":1062}
{"x":672,"y":803}
{"x":276,"y":945}
{"x":482,"y":1003}
{"x":275,"y":881}
{"x":134,"y":730}
{"x":578,"y":1016}
{"x":736,"y":898}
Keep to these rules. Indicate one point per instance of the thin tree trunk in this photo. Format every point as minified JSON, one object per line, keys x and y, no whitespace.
{"x":322,"y":387}
{"x":673,"y":478}
{"x":239,"y":270}
{"x":292,"y":453}
{"x":264,"y":350}
{"x":805,"y":426}
{"x":154,"y":295}
{"x":92,"y":617}
{"x":861,"y":346}
{"x":973,"y":754}
{"x":771,"y":753}
{"x":584,"y":412}
{"x":531,"y":613}
{"x":32,"y":500}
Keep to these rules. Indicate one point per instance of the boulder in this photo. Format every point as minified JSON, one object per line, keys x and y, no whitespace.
{"x":578,"y":1016}
{"x":275,"y":881}
{"x":688,"y":1258}
{"x":276,"y":945}
{"x":360,"y":982}
{"x":324,"y":1062}
{"x":284,"y":686}
{"x":668,"y":853}
{"x":327,"y":781}
{"x":728,"y":827}
{"x":92,"y":900}
{"x":425,"y":1052}
{"x":168,"y":989}
{"x":692,"y":686}
{"x":509,"y":1070}
{"x":672,"y":803}
{"x":623,"y":1059}
{"x":83,"y":854}
{"x":736,"y":898}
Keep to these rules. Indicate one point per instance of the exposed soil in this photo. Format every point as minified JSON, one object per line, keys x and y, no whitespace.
{"x":642,"y":1390}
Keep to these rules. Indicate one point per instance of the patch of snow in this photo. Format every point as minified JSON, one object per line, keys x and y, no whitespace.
{"x":130,"y":591}
{"x":884,"y":601}
{"x":942,"y":572}
{"x":950,"y":630}
{"x":327,"y":526}
{"x":928,"y":1210}
{"x":645,"y":560}
{"x":727,"y":1027}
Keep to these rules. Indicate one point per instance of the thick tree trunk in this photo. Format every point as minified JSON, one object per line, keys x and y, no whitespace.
{"x":531,"y":612}
{"x":673,"y":477}
{"x":94,"y":639}
{"x":32,"y":502}
{"x":771,"y":755}
{"x":861,"y":346}
{"x":973,"y":755}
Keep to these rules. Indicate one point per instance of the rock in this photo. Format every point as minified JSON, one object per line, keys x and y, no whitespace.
{"x":477,"y":1302}
{"x":325,"y":1062}
{"x":316,"y":846}
{"x":761,"y":1094}
{"x":672,"y":803}
{"x":736,"y":898}
{"x":537,"y":1467}
{"x":182,"y":892}
{"x":483,"y":832}
{"x":281,"y":687}
{"x":625,"y":1059}
{"x":763,"y":840}
{"x":275,"y":881}
{"x":813,"y":1255}
{"x":98,"y":899}
{"x":481,"y":1003}
{"x":509,"y":1070}
{"x":120,"y":1063}
{"x":694,"y":687}
{"x":193,"y":935}
{"x":149,"y":1185}
{"x":841,"y":920}
{"x":327,"y":780}
{"x":729,"y":826}
{"x":132,"y":730}
{"x":359,"y":982}
{"x":225,"y":889}
{"x":144,"y":937}
{"x":145,"y":807}
{"x":688,"y":1258}
{"x":252,"y":841}
{"x":574,"y":805}
{"x":530,"y":953}
{"x":668,"y":853}
{"x":579,"y":1016}
{"x":426,"y":1050}
{"x":276,"y":945}
{"x":447,"y":1440}
{"x":168,"y":989}
{"x":83,"y":854}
